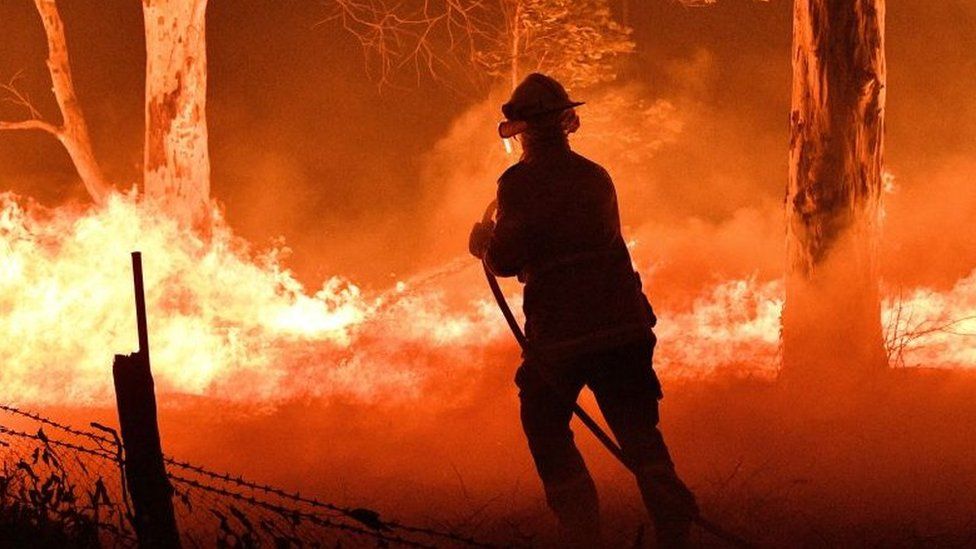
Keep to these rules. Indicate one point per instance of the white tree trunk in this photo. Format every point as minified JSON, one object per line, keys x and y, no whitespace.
{"x":832,"y":321}
{"x":516,"y":30}
{"x":73,"y":132}
{"x":177,"y":161}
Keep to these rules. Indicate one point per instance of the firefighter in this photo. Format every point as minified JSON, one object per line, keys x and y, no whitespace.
{"x":557,"y":229}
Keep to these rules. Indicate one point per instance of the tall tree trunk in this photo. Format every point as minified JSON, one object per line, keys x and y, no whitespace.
{"x":73,"y":132}
{"x":177,"y":161}
{"x":832,"y":321}
{"x":516,"y":53}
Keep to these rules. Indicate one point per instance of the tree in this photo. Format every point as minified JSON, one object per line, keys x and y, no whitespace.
{"x":176,"y":169}
{"x":832,"y":313}
{"x":177,"y":161}
{"x":424,"y":35}
{"x":73,"y":131}
{"x":576,"y":41}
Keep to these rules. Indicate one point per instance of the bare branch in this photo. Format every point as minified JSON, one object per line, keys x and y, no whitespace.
{"x":17,"y":97}
{"x":903,"y":333}
{"x":35,"y":120}
{"x":427,"y":36}
{"x":32,"y":124}
{"x":73,"y":133}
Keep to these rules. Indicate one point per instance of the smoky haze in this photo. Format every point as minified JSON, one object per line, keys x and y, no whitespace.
{"x":378,"y":184}
{"x":375,"y":184}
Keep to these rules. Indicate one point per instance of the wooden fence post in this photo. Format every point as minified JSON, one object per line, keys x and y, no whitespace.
{"x":145,"y":472}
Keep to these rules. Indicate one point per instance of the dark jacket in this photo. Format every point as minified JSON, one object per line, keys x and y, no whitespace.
{"x":558,"y":230}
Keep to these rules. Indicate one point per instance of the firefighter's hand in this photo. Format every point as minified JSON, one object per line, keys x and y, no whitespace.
{"x":479,"y":238}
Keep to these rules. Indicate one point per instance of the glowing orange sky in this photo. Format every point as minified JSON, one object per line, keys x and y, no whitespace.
{"x":305,"y":146}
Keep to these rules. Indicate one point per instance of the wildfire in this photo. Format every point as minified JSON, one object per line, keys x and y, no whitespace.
{"x":229,"y":323}
{"x":223,"y":321}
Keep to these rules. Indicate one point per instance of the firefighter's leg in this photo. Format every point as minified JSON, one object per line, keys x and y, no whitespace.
{"x":628,"y":391}
{"x":569,"y":489}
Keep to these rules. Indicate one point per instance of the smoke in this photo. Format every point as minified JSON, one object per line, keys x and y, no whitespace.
{"x":693,"y":201}
{"x":923,"y":240}
{"x":368,"y":362}
{"x":705,"y":218}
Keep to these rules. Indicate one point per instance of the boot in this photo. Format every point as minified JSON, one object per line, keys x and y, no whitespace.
{"x":577,"y":510}
{"x":673,"y":511}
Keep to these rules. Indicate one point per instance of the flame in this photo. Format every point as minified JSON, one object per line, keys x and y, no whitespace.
{"x":231,"y":323}
{"x":223,"y":321}
{"x":933,"y":328}
{"x":735,"y":326}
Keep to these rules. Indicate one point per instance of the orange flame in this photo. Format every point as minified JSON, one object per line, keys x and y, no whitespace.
{"x":229,"y":323}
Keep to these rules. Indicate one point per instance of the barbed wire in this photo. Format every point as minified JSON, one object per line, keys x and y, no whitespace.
{"x":95,"y":437}
{"x":365,"y":516}
{"x":297,"y":514}
{"x":40,"y":436}
{"x":49,"y":482}
{"x":224,"y":490}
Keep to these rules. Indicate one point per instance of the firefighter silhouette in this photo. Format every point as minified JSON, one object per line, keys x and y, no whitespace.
{"x":557,"y":229}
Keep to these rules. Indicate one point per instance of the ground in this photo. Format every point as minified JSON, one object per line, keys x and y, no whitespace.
{"x":889,"y":464}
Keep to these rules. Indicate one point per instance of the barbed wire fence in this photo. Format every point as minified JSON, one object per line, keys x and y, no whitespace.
{"x":74,"y":479}
{"x":68,"y":490}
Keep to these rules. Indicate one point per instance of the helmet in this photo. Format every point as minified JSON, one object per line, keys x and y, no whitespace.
{"x":536,"y":96}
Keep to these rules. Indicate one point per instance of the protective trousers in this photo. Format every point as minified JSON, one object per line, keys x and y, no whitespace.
{"x":627,"y":391}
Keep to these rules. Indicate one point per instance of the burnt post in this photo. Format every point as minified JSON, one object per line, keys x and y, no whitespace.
{"x":145,"y":471}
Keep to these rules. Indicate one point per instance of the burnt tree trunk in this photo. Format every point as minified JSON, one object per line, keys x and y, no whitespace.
{"x":177,"y":160}
{"x":832,"y":320}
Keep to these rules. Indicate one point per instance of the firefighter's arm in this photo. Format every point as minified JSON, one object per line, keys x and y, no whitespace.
{"x":506,"y":251}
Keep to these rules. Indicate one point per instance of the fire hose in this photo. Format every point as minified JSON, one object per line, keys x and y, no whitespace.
{"x":585,"y":418}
